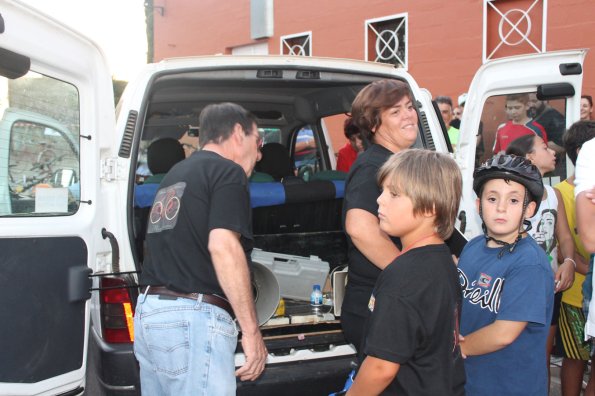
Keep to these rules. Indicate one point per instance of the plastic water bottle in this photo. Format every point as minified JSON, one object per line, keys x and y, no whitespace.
{"x":316,"y":299}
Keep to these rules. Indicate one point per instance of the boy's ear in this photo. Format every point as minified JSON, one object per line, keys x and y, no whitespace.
{"x":430,"y":213}
{"x":477,"y":202}
{"x":530,"y":211}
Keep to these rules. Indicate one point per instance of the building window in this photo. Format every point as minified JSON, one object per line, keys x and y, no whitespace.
{"x":513,"y":27}
{"x":386,"y":40}
{"x":297,"y":44}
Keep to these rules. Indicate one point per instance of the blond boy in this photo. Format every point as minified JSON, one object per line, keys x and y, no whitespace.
{"x":411,"y":343}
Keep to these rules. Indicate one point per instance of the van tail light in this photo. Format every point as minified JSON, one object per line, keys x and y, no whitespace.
{"x":117,"y":311}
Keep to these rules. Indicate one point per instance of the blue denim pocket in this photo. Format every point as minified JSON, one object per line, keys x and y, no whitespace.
{"x":169,"y":346}
{"x":224,"y":324}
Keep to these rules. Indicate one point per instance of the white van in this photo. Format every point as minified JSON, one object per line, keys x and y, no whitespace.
{"x":71,"y":233}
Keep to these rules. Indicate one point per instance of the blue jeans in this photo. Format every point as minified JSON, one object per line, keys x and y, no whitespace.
{"x":184,"y":347}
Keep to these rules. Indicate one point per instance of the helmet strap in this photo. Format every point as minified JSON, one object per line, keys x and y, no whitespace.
{"x":525,"y":222}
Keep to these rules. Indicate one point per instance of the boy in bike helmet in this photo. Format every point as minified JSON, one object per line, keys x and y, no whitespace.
{"x":507,"y":285}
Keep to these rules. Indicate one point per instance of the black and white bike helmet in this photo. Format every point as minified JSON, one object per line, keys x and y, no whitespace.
{"x":518,"y":169}
{"x":510,"y":167}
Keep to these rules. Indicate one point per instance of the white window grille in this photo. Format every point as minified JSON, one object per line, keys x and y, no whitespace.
{"x":299,"y":44}
{"x":386,"y":40}
{"x":512,"y":27}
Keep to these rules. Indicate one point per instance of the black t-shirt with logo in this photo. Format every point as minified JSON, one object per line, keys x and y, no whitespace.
{"x":415,"y":323}
{"x":554,"y":124}
{"x":361,"y":192}
{"x":200,"y":194}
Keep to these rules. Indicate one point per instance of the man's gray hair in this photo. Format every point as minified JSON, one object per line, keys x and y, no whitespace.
{"x":216,"y":122}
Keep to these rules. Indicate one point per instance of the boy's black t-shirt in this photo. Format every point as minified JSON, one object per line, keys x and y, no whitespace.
{"x":415,"y":322}
{"x":202,"y":193}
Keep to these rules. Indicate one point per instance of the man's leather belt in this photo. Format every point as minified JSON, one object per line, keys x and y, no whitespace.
{"x":208,"y":298}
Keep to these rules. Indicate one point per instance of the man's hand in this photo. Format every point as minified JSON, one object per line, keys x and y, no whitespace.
{"x":256,"y":356}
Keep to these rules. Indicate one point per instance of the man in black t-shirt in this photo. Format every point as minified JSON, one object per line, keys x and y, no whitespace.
{"x":554,"y":124}
{"x":199,"y":239}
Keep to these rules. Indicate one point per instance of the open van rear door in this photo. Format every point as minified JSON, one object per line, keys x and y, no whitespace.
{"x":552,"y":82}
{"x":56,"y":99}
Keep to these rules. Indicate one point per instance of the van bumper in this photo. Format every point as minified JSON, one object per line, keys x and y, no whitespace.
{"x":118,"y":374}
{"x":116,"y":368}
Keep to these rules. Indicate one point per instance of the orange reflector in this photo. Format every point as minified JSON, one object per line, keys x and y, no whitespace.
{"x":129,"y":319}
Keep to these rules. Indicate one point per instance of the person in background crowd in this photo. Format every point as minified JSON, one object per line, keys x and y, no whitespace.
{"x":554,"y":124}
{"x":519,"y":124}
{"x":445,"y":105}
{"x":457,"y":112}
{"x":584,"y":194}
{"x":305,"y":147}
{"x":386,"y":117}
{"x":586,"y":107}
{"x":457,"y":115}
{"x":570,"y":339}
{"x":550,"y":119}
{"x":196,"y":272}
{"x":508,"y":285}
{"x":354,"y":146}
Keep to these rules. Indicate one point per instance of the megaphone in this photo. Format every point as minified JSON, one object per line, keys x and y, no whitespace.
{"x":266,"y":292}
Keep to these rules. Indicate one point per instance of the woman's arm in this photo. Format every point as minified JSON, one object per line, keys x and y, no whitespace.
{"x":565,"y":274}
{"x":585,"y":218}
{"x":365,"y":233}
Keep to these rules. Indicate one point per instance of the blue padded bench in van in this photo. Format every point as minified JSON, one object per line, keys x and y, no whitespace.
{"x":144,"y":194}
{"x":296,"y":207}
{"x":276,"y":193}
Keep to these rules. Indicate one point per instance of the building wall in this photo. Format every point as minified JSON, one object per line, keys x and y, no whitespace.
{"x":445,"y":38}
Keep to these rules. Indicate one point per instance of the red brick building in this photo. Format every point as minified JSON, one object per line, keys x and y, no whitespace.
{"x":441,"y":43}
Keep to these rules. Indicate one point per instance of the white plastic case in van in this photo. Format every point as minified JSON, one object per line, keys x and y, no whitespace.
{"x":296,"y":274}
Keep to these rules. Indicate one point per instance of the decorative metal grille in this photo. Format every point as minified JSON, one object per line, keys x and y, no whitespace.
{"x":513,"y":28}
{"x":386,"y":40}
{"x":297,"y":44}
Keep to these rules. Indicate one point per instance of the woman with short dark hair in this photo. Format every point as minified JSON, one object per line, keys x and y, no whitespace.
{"x":386,"y":117}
